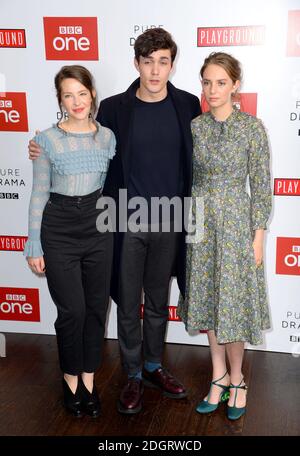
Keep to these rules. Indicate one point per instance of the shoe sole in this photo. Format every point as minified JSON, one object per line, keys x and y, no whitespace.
{"x":205,"y":412}
{"x":71,"y":413}
{"x":234,"y":418}
{"x":92,"y":415}
{"x":126,"y":411}
{"x":165,"y":393}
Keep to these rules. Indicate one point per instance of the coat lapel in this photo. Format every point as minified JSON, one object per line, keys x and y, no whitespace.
{"x":125,"y":121}
{"x":184,"y":118}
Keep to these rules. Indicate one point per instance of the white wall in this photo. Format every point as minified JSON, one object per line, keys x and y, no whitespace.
{"x":268,"y":71}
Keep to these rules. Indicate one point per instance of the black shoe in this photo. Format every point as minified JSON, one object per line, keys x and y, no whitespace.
{"x":72,"y":401}
{"x":90,"y":401}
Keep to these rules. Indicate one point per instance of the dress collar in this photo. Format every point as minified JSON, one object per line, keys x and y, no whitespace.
{"x":230,"y":119}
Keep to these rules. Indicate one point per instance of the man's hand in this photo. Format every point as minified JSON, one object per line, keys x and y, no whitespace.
{"x":34,"y":149}
{"x":37,"y":265}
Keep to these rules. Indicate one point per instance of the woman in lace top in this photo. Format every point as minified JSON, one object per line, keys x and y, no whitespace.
{"x":225,"y":288}
{"x":63,"y":240}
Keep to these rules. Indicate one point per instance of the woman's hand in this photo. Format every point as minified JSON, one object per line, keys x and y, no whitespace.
{"x":37,"y":265}
{"x":258,"y":247}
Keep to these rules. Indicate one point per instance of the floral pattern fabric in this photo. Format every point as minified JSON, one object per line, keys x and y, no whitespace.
{"x":225,"y":290}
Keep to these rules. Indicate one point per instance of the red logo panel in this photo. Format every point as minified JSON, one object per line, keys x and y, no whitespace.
{"x":293,"y":39}
{"x":287,"y":187}
{"x":245,"y":102}
{"x":71,"y":38}
{"x":13,"y":111}
{"x":245,"y":35}
{"x":288,"y":256}
{"x":12,"y":243}
{"x":19,"y":304}
{"x":172,"y":313}
{"x":12,"y":38}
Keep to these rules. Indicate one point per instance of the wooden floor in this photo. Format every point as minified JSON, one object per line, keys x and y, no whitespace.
{"x":30,"y":395}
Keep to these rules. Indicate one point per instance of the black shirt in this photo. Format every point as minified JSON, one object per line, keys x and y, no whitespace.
{"x":156,"y":151}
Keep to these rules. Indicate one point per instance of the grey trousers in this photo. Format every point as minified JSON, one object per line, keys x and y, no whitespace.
{"x":147,"y":261}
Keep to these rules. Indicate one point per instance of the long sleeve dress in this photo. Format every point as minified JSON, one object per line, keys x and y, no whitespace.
{"x":225,"y":290}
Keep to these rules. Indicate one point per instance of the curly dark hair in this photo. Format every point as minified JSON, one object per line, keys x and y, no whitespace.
{"x":153,"y":40}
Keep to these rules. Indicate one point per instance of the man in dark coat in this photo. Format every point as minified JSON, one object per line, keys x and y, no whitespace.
{"x":151,"y":122}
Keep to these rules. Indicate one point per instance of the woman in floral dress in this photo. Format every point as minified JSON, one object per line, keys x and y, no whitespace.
{"x":225,"y":288}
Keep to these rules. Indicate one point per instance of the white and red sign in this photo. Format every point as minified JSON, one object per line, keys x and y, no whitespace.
{"x":19,"y":304}
{"x":288,"y":256}
{"x":293,"y":38}
{"x":12,"y":243}
{"x":286,"y":187}
{"x":245,"y":35}
{"x":13,"y":111}
{"x":245,"y":102}
{"x":71,"y":38}
{"x":172,"y":313}
{"x":12,"y":38}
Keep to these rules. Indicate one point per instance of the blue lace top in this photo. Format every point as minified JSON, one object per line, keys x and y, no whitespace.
{"x":72,"y":164}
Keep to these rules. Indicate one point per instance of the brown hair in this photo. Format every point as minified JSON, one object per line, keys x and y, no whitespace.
{"x":81,"y":74}
{"x":230,"y":64}
{"x":153,"y":40}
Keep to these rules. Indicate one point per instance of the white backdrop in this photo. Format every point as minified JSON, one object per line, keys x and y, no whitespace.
{"x":271,"y":70}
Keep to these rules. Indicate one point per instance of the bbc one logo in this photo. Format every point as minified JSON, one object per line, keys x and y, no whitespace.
{"x":244,"y":35}
{"x":288,"y":256}
{"x":19,"y":304}
{"x":293,"y":38}
{"x":245,"y":102}
{"x":13,"y":112}
{"x":71,"y":38}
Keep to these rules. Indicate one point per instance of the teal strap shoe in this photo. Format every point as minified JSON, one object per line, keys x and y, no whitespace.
{"x":205,"y":406}
{"x":233,"y":412}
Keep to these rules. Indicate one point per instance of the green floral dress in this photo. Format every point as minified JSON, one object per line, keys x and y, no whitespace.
{"x":225,"y":290}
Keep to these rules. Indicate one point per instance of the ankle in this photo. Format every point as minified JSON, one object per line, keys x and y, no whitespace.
{"x":72,"y":382}
{"x":221,"y":376}
{"x":150,"y":366}
{"x":237,"y":379}
{"x":88,"y":380}
{"x":136,"y":376}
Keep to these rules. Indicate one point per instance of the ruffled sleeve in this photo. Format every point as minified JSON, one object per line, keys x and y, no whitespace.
{"x":259,"y":177}
{"x":39,"y":196}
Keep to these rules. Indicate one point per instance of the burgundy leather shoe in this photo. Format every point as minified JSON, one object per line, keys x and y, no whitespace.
{"x":163,"y":380}
{"x":130,"y":401}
